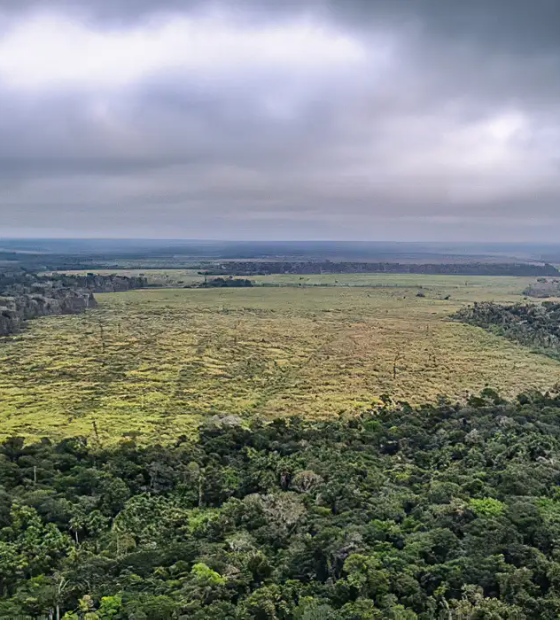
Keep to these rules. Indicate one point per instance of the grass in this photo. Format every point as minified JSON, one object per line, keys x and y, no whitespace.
{"x":155,"y":362}
{"x":469,"y":285}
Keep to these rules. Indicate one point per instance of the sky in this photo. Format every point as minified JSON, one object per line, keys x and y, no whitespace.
{"x":407,"y":120}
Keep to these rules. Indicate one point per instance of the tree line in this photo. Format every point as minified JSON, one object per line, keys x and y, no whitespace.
{"x":534,"y":325}
{"x":446,"y":511}
{"x":25,"y":295}
{"x":229,"y":282}
{"x":245,"y":268}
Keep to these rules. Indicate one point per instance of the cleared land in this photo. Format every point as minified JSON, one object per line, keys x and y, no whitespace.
{"x":155,"y":362}
{"x":466,"y":286}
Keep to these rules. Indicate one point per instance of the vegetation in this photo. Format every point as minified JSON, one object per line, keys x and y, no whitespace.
{"x":40,"y":300}
{"x":20,"y":281}
{"x":157,"y":362}
{"x":467,"y":288}
{"x":440,"y":512}
{"x":529,"y":324}
{"x":470,"y":269}
{"x":25,"y":295}
{"x":175,"y":278}
{"x":226,"y":283}
{"x":276,"y":489}
{"x":109,"y":283}
{"x":90,"y":254}
{"x":543,"y":288}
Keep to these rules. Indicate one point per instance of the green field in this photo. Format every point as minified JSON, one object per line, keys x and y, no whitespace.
{"x":155,"y":362}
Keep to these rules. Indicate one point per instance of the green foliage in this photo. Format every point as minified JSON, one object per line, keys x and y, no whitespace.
{"x":206,"y":577}
{"x":443,"y":511}
{"x":535,"y":325}
{"x":487,"y":507}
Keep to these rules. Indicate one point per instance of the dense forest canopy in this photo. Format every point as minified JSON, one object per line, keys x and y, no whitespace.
{"x":446,"y":511}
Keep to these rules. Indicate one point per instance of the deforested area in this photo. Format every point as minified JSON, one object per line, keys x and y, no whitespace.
{"x":156,"y":362}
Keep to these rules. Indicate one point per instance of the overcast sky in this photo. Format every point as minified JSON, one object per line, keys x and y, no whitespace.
{"x":313,"y":119}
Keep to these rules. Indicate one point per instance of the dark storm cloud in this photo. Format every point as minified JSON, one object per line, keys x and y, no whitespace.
{"x":431,"y":118}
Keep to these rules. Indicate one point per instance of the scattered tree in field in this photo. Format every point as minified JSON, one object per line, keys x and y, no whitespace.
{"x":398,"y":357}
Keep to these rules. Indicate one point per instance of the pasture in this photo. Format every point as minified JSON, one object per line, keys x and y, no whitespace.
{"x":155,"y":362}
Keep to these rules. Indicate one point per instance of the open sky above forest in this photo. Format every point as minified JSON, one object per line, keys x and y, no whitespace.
{"x":307,"y":119}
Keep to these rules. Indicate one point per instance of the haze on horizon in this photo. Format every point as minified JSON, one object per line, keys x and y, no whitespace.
{"x":313,"y":119}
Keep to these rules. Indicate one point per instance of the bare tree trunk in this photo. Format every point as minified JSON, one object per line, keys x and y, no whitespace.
{"x":102,"y":334}
{"x":398,"y":356}
{"x":96,"y":432}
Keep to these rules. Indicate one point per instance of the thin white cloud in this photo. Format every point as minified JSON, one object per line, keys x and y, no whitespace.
{"x":50,"y":52}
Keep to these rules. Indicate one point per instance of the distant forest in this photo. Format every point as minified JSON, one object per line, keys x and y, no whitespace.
{"x":534,"y":325}
{"x":92,"y":254}
{"x":225,"y":283}
{"x":247,"y":268}
{"x":445,"y":512}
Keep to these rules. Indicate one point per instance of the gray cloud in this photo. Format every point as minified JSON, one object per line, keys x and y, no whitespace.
{"x":430,"y":120}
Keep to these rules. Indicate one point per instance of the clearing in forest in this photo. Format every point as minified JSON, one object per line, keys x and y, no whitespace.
{"x":158,"y":361}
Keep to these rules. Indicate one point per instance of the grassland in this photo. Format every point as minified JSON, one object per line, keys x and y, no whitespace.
{"x":493,"y":286}
{"x":156,"y":362}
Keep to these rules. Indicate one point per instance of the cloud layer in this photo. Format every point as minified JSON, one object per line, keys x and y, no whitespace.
{"x":350,"y":119}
